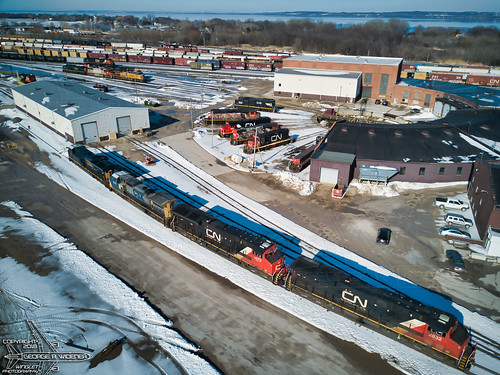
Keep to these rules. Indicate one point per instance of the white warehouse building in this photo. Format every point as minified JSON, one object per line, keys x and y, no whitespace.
{"x":318,"y":84}
{"x":79,"y":113}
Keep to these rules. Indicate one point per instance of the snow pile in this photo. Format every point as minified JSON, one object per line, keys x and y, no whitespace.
{"x":393,"y":189}
{"x":290,"y":180}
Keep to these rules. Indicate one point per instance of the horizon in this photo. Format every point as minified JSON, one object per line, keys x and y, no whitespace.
{"x":257,"y":6}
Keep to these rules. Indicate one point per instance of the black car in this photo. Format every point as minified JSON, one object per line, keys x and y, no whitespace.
{"x":456,"y":261}
{"x":377,"y":101}
{"x":384,"y":236}
{"x":385,"y":102}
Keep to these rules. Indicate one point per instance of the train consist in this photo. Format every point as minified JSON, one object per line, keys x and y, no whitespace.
{"x":192,"y":222}
{"x":228,"y":128}
{"x":105,"y":69}
{"x":376,"y":307}
{"x":196,"y":58}
{"x":471,"y":75}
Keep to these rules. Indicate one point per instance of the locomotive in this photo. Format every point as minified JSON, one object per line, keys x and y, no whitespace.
{"x":398,"y":313}
{"x":220,"y":116}
{"x":190,"y":221}
{"x":259,"y":104}
{"x":226,"y":130}
{"x":392,"y":311}
{"x":267,"y":139}
{"x":243,"y":135}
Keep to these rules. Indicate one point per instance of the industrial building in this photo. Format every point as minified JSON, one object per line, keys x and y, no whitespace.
{"x":79,"y":113}
{"x":318,"y":84}
{"x":379,"y":74}
{"x":441,"y":151}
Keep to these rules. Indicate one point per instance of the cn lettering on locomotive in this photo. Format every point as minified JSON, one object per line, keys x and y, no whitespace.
{"x":351,"y":298}
{"x":213,"y":235}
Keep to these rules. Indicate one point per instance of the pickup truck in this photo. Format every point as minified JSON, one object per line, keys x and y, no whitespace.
{"x":450,"y":203}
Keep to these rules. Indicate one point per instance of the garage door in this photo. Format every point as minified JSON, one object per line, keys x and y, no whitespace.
{"x":89,"y":132}
{"x":123,"y":125}
{"x":329,"y":176}
{"x":438,"y":108}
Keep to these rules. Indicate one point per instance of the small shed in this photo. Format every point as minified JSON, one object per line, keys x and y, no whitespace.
{"x":331,"y":167}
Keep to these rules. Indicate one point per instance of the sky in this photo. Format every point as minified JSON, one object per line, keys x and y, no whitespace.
{"x":253,"y":6}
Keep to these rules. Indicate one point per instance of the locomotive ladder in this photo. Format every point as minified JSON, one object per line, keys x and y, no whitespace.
{"x":467,"y":357}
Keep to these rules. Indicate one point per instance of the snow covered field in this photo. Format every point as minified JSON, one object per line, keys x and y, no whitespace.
{"x":411,"y":361}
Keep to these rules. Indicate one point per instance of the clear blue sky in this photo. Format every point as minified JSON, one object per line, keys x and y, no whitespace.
{"x":249,"y":5}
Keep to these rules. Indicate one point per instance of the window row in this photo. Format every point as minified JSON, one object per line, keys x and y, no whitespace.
{"x":421,"y":171}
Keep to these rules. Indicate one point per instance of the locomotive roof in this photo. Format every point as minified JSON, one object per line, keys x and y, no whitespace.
{"x":402,"y":308}
{"x":70,"y":100}
{"x":441,"y":141}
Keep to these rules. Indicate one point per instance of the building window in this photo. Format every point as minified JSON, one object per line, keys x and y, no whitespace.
{"x":459,"y":171}
{"x":368,"y":78}
{"x":402,"y":171}
{"x":441,"y":171}
{"x":427,"y":100}
{"x":406,"y":95}
{"x":421,"y":172}
{"x":416,"y":98}
{"x":384,"y":80}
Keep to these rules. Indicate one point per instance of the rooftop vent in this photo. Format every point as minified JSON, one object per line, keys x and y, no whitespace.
{"x":48,"y":93}
{"x":344,"y":129}
{"x":371,"y":131}
{"x":448,"y":131}
{"x":425,"y":133}
{"x":485,"y":127}
{"x":398,"y":133}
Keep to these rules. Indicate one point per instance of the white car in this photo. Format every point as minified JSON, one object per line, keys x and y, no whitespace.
{"x":452,"y":231}
{"x":458,"y":220}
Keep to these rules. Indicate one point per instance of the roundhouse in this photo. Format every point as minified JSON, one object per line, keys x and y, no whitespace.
{"x":79,"y":113}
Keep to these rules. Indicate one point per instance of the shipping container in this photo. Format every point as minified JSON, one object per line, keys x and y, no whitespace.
{"x":447,"y":77}
{"x":163,"y":60}
{"x":420,"y":75}
{"x":264,"y":66}
{"x":225,"y":64}
{"x":139,"y":59}
{"x":483,"y":80}
{"x":95,"y":55}
{"x":182,"y":61}
{"x":75,"y":60}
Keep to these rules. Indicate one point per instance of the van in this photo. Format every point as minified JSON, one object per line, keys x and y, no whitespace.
{"x":456,"y":219}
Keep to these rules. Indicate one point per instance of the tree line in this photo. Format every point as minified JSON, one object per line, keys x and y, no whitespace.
{"x":392,"y":38}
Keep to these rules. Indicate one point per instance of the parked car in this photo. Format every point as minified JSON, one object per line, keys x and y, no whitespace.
{"x":101,"y":87}
{"x":414,"y":110}
{"x":452,"y":231}
{"x":458,"y":220}
{"x":384,"y":236}
{"x":385,"y":102}
{"x":455,"y":259}
{"x":444,"y":203}
{"x":378,"y":101}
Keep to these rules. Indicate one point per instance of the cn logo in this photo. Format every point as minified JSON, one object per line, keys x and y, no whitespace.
{"x":351,"y":298}
{"x":212,"y":235}
{"x":276,"y":137}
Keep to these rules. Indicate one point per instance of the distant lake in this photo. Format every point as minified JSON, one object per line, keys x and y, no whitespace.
{"x":339,"y":21}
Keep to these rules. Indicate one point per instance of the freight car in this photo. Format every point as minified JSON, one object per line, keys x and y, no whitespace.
{"x":243,"y":135}
{"x":256,"y":104}
{"x":483,"y":80}
{"x":266,"y":140}
{"x":395,"y":312}
{"x":226,"y":130}
{"x":192,"y":222}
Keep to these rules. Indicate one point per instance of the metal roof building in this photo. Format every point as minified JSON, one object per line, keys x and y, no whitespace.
{"x":320,"y":84}
{"x":79,"y":113}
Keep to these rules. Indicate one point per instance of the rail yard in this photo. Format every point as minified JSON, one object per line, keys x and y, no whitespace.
{"x":419,"y":329}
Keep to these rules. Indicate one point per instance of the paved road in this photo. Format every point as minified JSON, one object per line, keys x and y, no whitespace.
{"x":238,"y":332}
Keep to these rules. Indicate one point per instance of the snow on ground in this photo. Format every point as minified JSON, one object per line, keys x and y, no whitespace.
{"x":71,"y":177}
{"x":78,"y":282}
